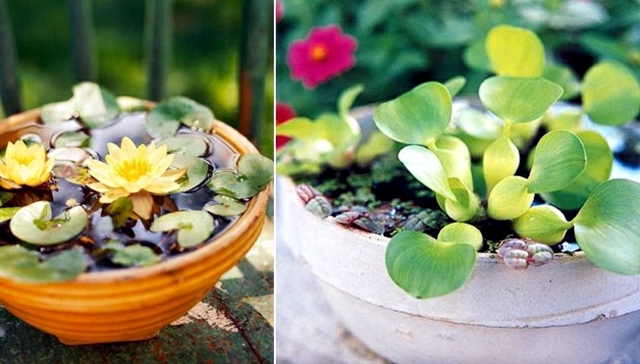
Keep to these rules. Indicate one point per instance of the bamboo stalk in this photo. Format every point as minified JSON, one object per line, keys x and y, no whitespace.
{"x":158,"y":39}
{"x":9,"y":81}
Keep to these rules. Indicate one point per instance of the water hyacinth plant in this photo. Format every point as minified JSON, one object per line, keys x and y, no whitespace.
{"x":99,"y":182}
{"x":513,"y":158}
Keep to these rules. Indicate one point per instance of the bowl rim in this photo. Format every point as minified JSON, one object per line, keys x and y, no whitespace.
{"x":255,"y":209}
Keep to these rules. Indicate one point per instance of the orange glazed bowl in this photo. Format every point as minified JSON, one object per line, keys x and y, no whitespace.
{"x":133,"y":304}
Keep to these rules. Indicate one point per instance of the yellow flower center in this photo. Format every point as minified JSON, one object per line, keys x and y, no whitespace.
{"x":134,"y":169}
{"x":319,"y":52}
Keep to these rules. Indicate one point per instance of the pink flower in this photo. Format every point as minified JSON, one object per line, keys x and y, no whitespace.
{"x":325,"y":53}
{"x":279,"y":10}
{"x":284,"y":112}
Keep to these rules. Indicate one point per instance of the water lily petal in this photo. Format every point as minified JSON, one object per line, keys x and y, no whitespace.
{"x":142,"y":204}
{"x":113,"y":194}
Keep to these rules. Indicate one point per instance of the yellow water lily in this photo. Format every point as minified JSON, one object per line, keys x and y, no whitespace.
{"x":24,"y":166}
{"x":137,"y":172}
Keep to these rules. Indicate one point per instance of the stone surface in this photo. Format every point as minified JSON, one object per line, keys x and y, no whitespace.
{"x":233,"y":324}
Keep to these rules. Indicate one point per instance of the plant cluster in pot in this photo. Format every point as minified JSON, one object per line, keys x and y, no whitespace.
{"x":508,"y":242}
{"x":118,"y":215}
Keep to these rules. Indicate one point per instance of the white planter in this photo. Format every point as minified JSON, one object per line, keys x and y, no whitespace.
{"x":567,"y":311}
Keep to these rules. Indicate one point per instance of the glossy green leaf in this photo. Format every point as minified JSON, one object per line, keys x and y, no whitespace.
{"x":416,"y":117}
{"x":34,"y":224}
{"x":6,"y":213}
{"x":256,"y":169}
{"x":465,"y":206}
{"x":598,"y":170}
{"x":197,"y":171}
{"x":455,"y":158}
{"x":19,"y":263}
{"x":229,"y":183}
{"x":461,"y":233}
{"x":518,"y":99}
{"x":610,"y":94}
{"x":165,"y":119}
{"x":455,"y":84}
{"x":542,"y":223}
{"x":189,"y":144}
{"x":515,"y":52}
{"x":425,"y":267}
{"x":500,"y":160}
{"x":570,"y":120}
{"x":559,"y":159}
{"x":509,"y":199}
{"x":94,"y":105}
{"x":426,"y":168}
{"x":565,"y":77}
{"x":194,"y":227}
{"x":135,"y":256}
{"x":607,"y":228}
{"x":225,"y":206}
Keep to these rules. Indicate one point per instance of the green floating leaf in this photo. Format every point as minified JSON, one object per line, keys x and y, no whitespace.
{"x":256,"y":169}
{"x":165,"y":119}
{"x":500,"y":160}
{"x":416,"y":117}
{"x":426,"y":168}
{"x":6,"y":213}
{"x":610,"y":94}
{"x":135,"y":256}
{"x":425,"y":267}
{"x":518,"y":100}
{"x":17,"y":262}
{"x":225,"y":206}
{"x":542,"y":223}
{"x":461,"y":233}
{"x":607,"y":227}
{"x":509,"y":199}
{"x":34,"y":224}
{"x":598,"y":170}
{"x":565,"y":77}
{"x":71,"y":139}
{"x":559,"y":159}
{"x":189,"y":144}
{"x":94,"y":105}
{"x":197,"y":171}
{"x":194,"y":227}
{"x":515,"y":52}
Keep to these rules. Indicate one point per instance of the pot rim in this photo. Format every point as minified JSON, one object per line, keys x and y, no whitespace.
{"x":255,"y":208}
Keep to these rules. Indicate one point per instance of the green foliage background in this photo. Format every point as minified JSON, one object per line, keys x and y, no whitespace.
{"x":204,"y":65}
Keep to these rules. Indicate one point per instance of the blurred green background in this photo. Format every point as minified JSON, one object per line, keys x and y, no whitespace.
{"x":204,"y":59}
{"x":403,"y":43}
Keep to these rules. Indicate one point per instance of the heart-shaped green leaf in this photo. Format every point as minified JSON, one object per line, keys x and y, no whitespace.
{"x":34,"y":224}
{"x":515,"y":52}
{"x":607,"y":227}
{"x":197,"y":171}
{"x":416,"y":117}
{"x":500,"y":160}
{"x":542,"y":223}
{"x":425,"y":267}
{"x":559,"y":159}
{"x":426,"y":168}
{"x":610,"y":94}
{"x":509,"y":199}
{"x":17,"y":262}
{"x":194,"y":227}
{"x":518,"y":99}
{"x":189,"y":144}
{"x":598,"y":170}
{"x":165,"y":119}
{"x":461,"y":233}
{"x":256,"y":169}
{"x":135,"y":256}
{"x":225,"y":206}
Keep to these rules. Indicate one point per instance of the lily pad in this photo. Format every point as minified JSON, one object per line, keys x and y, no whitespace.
{"x":416,"y":117}
{"x":610,"y":94}
{"x":135,"y":256}
{"x":71,"y":139}
{"x":225,"y":206}
{"x":425,"y":267}
{"x":94,"y":105}
{"x":34,"y":224}
{"x":255,"y":172}
{"x":197,"y":171}
{"x":17,"y":262}
{"x":188,"y":144}
{"x":518,"y":100}
{"x":607,"y":228}
{"x":194,"y":227}
{"x":165,"y":119}
{"x":6,"y":213}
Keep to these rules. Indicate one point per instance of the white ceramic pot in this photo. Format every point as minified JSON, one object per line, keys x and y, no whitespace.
{"x":567,"y":311}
